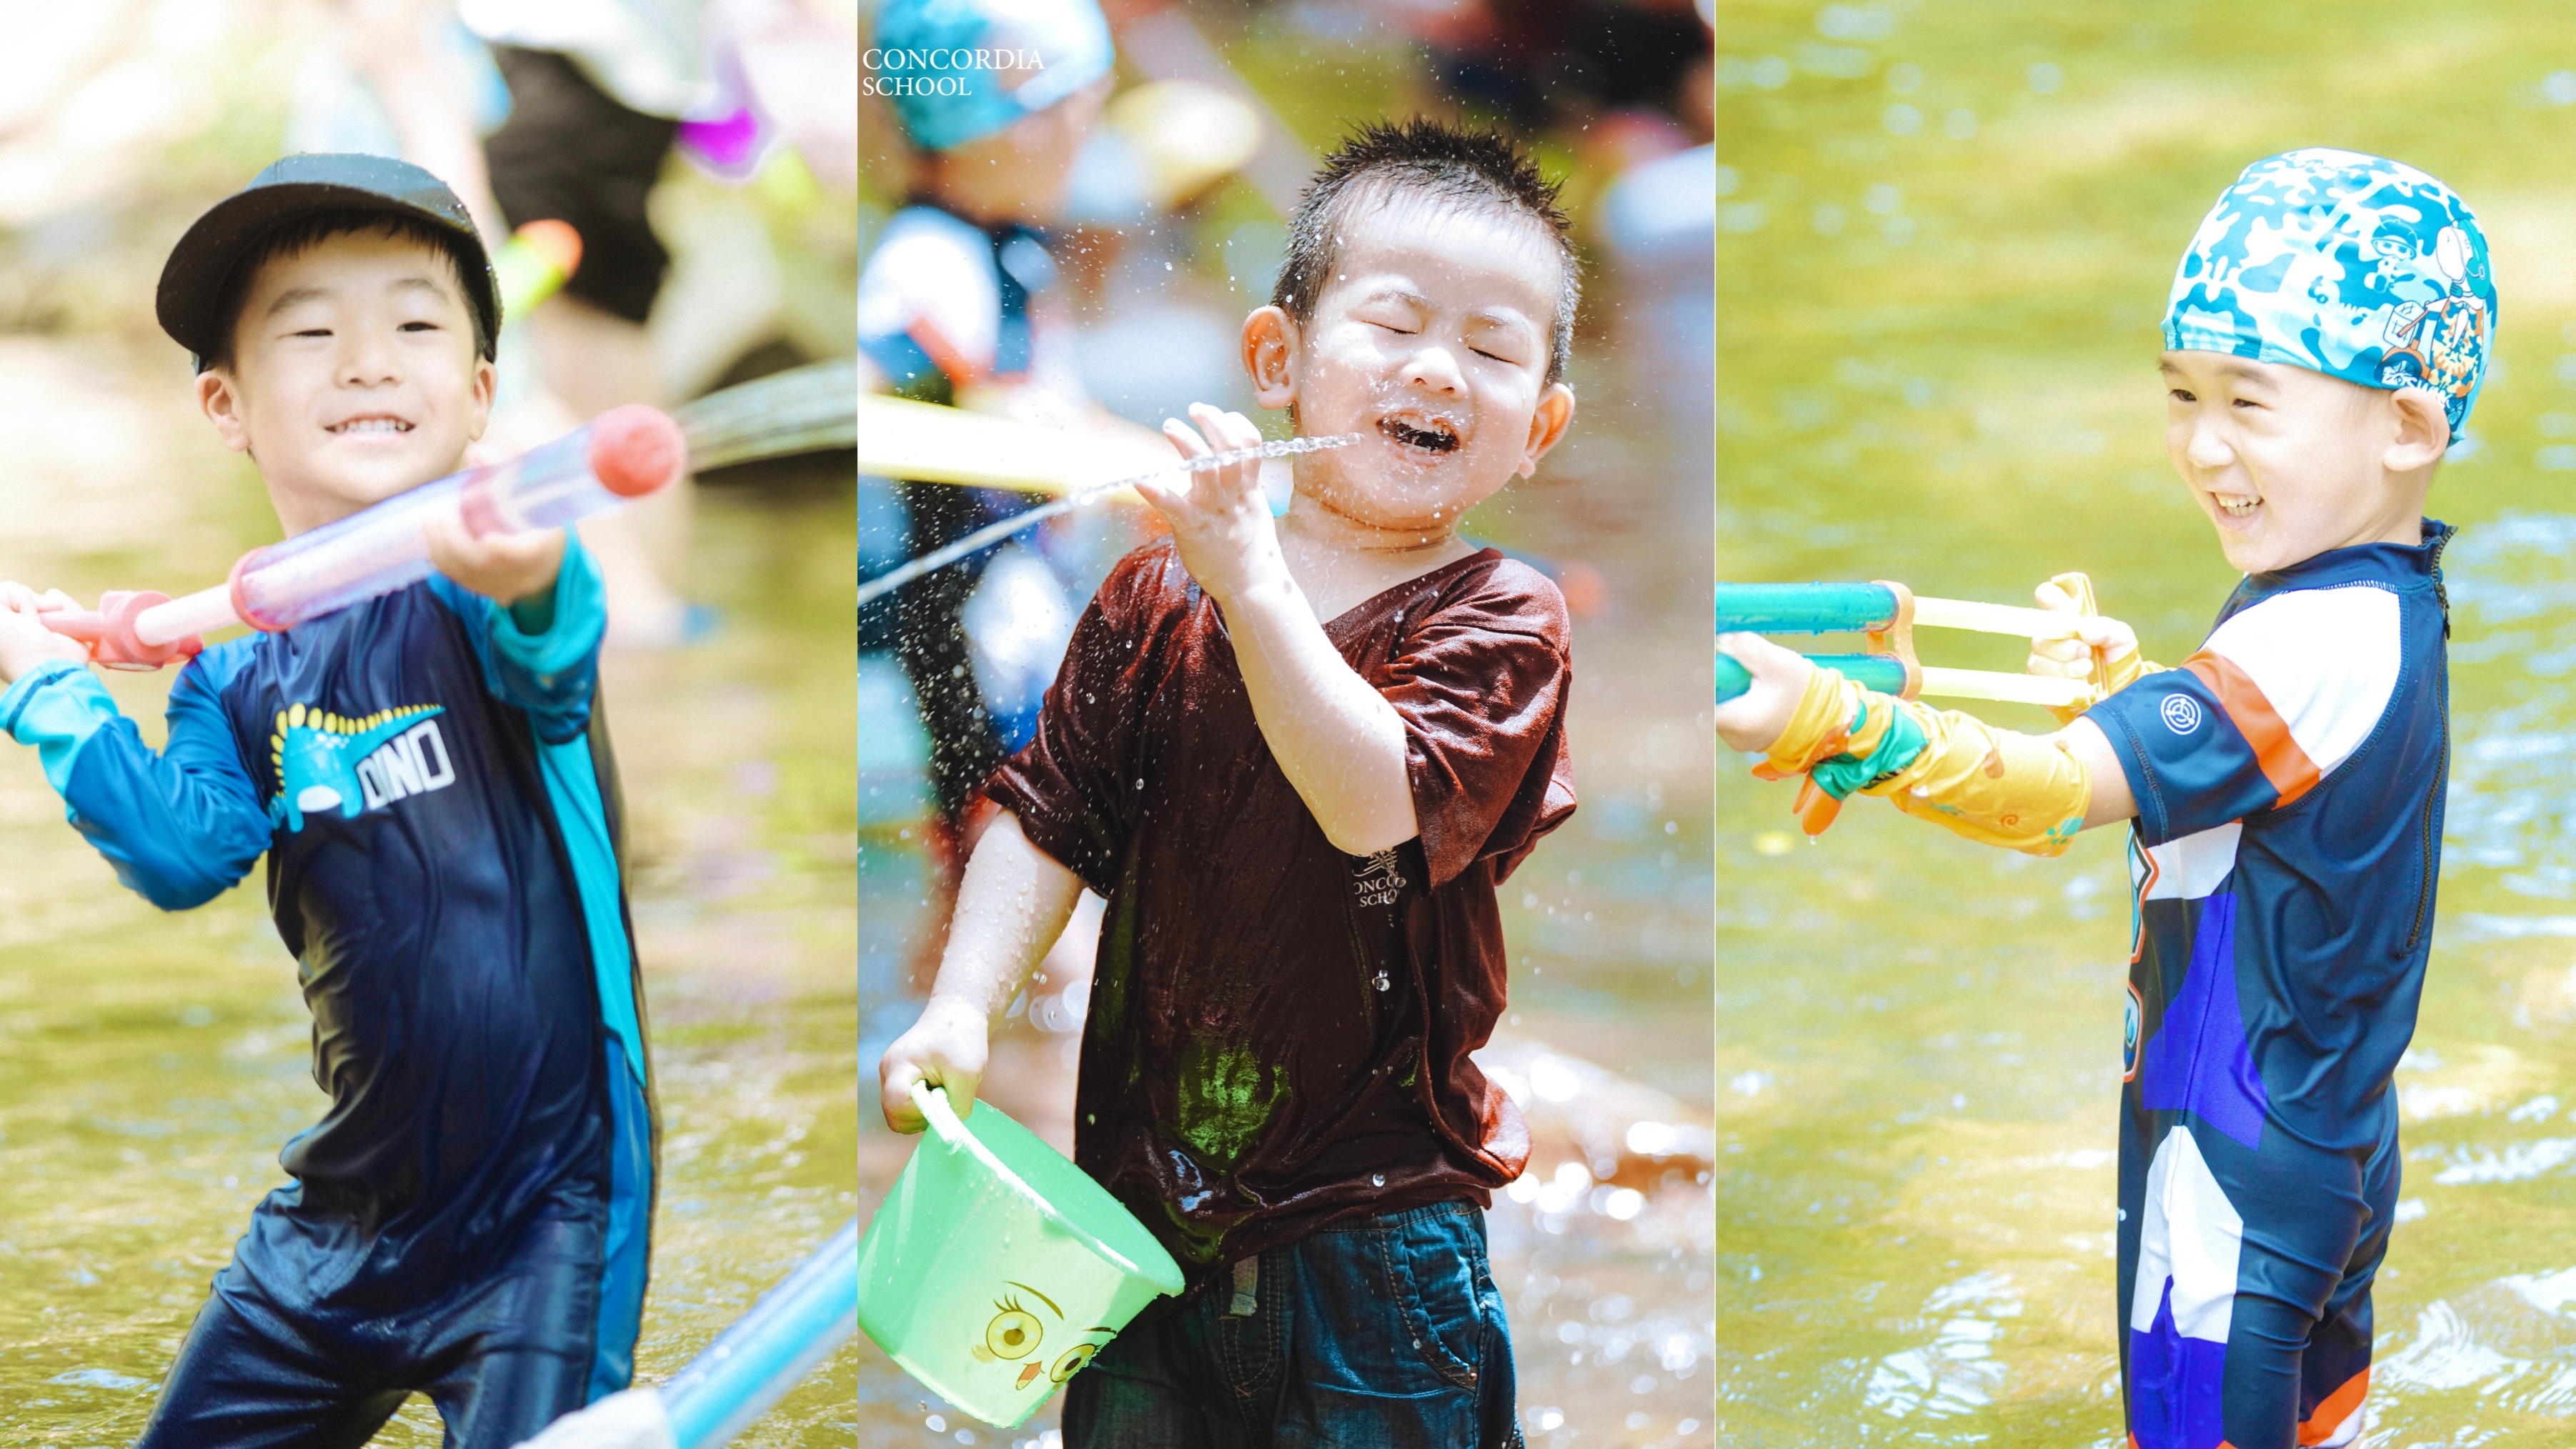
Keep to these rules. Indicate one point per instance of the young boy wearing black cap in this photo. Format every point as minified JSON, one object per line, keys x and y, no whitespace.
{"x":470,"y":1220}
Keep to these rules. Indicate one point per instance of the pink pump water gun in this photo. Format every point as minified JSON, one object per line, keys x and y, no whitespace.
{"x":623,"y":453}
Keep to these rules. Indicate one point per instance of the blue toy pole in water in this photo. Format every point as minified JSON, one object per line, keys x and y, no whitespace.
{"x":734,"y":1380}
{"x":785,"y":1336}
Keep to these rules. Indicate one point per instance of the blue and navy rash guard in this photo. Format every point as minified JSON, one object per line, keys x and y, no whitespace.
{"x":2289,"y":780}
{"x":438,"y":808}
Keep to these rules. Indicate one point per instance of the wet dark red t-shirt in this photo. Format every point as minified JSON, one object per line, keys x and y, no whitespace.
{"x":1279,"y":1032}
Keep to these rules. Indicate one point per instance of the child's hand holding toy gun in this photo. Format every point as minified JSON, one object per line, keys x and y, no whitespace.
{"x":1856,"y":729}
{"x":625,"y":453}
{"x":25,"y":639}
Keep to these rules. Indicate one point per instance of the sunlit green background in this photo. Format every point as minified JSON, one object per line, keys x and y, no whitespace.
{"x":1945,"y":236}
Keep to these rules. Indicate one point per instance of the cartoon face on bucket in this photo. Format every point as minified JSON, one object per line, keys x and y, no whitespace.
{"x":1016,"y":1334}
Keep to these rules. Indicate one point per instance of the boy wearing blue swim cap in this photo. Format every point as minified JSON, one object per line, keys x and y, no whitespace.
{"x":2325,"y":338}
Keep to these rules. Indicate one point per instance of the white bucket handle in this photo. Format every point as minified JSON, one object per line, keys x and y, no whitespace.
{"x":932,"y":1103}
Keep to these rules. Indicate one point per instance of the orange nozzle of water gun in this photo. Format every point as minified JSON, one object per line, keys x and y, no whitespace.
{"x":535,"y":263}
{"x":1816,"y":808}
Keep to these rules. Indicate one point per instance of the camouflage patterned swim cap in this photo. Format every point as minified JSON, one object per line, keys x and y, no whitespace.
{"x":2350,"y":265}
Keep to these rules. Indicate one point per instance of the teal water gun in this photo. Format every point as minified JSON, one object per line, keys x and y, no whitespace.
{"x":1886,"y":615}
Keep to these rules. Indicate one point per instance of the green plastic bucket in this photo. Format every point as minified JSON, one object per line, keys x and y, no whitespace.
{"x":996,"y":1268}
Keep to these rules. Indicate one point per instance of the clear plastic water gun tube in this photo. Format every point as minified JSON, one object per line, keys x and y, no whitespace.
{"x":1017,"y":523}
{"x":624,"y":453}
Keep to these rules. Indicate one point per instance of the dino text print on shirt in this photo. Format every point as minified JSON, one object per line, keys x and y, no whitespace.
{"x":326,"y":762}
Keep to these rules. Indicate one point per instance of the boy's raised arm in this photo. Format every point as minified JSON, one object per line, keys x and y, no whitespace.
{"x":179,"y":827}
{"x":1014,"y":903}
{"x":540,"y":648}
{"x":1336,"y":738}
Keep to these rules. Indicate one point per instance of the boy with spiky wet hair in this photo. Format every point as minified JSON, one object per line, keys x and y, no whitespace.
{"x":1465,"y":167}
{"x":1297,"y":757}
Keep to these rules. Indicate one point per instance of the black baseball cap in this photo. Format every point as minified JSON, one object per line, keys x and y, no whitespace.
{"x":192,"y":281}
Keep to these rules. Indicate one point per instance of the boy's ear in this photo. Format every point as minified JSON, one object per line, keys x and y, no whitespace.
{"x":1270,"y":344}
{"x":219,"y":398}
{"x":1548,"y":422}
{"x":485,"y":381}
{"x":2422,"y":434}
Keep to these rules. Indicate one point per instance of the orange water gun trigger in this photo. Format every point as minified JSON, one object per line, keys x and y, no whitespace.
{"x":2081,"y":586}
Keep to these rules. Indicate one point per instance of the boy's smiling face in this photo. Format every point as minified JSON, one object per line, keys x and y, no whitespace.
{"x":2289,"y":463}
{"x":355,"y":375}
{"x":1431,"y":342}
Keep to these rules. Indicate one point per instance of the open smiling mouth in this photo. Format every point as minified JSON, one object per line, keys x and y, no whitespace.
{"x":370,"y":425}
{"x":1437,"y":437}
{"x":2236,"y":505}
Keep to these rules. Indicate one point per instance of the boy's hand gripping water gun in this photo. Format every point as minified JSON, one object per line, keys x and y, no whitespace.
{"x":1855,"y":727}
{"x":624,"y":453}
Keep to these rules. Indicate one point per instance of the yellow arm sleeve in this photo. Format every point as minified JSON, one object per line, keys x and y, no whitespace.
{"x":1995,"y":786}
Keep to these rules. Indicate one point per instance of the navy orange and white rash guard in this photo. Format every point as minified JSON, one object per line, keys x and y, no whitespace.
{"x":438,"y":807}
{"x":2289,"y":781}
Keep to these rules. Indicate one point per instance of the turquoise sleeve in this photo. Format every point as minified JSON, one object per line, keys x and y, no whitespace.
{"x":55,"y":708}
{"x":179,"y":826}
{"x":551,"y":673}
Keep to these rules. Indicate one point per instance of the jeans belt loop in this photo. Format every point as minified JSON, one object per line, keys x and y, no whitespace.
{"x":1247,"y":1285}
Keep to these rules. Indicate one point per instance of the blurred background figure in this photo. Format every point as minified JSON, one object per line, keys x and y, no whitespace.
{"x":597,"y":96}
{"x":405,"y":78}
{"x":959,"y":305}
{"x":601,"y":91}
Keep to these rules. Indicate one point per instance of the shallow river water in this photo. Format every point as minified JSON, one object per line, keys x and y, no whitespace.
{"x":1945,"y":240}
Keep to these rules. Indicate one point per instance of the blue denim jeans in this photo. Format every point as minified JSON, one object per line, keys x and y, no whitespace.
{"x":1378,"y":1333}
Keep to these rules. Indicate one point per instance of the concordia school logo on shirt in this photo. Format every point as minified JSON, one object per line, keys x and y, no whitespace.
{"x":1376,"y":879}
{"x":325,"y":762}
{"x":2182,"y":713}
